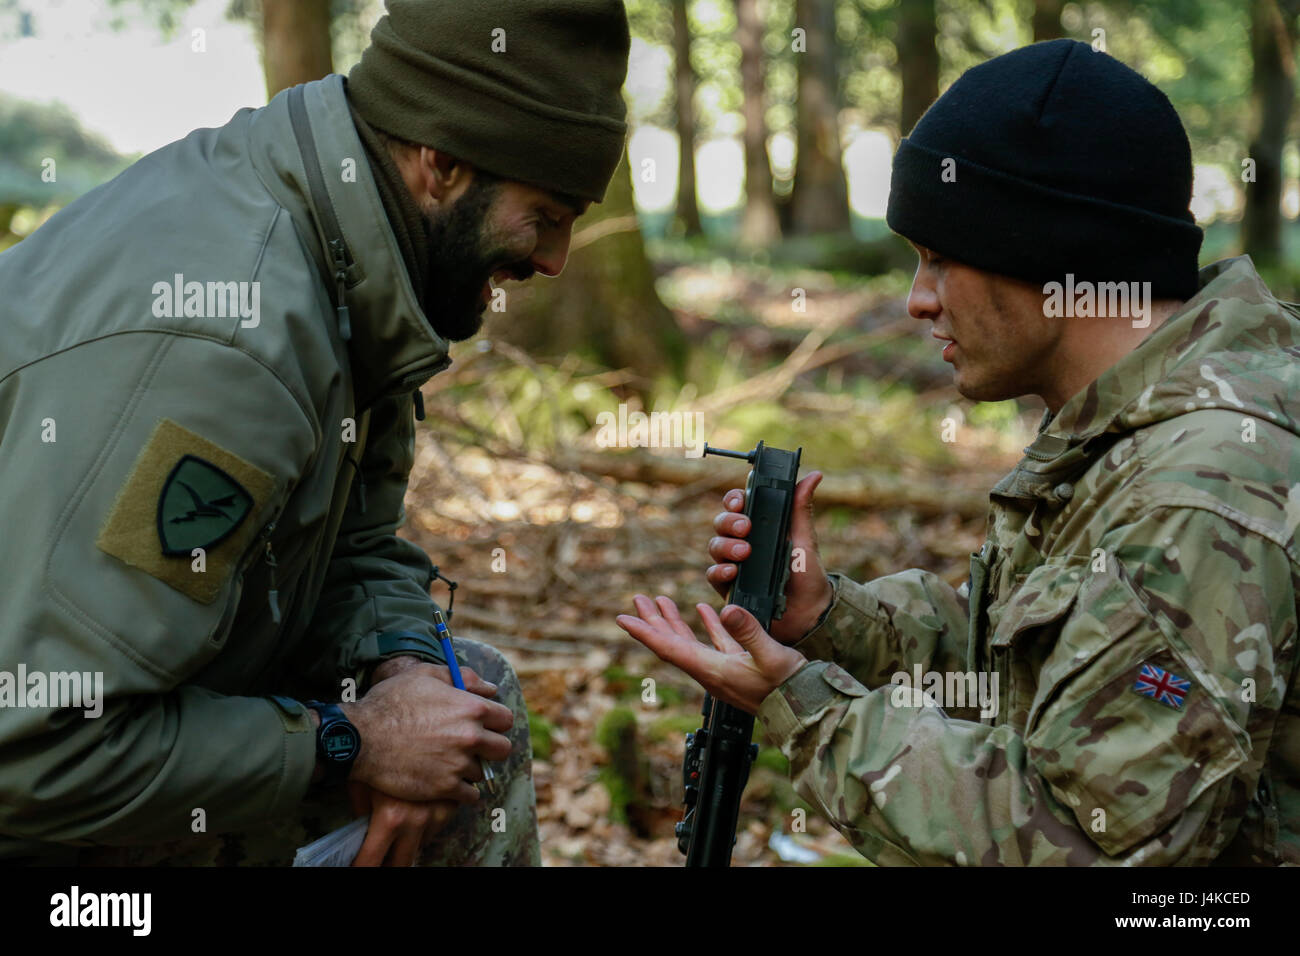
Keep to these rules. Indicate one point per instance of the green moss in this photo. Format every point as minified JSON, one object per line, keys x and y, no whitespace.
{"x":540,"y":730}
{"x":614,"y":728}
{"x":673,"y":725}
{"x":616,"y":734}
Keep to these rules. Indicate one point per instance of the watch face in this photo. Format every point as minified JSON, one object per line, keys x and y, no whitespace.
{"x":340,"y":742}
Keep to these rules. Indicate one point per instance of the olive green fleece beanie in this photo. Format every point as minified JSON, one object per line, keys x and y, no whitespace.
{"x":530,"y":90}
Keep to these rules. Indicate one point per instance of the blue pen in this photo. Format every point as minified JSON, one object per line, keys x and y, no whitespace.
{"x":444,"y":638}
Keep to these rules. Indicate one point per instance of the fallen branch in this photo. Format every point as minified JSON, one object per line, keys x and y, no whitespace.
{"x":855,"y":491}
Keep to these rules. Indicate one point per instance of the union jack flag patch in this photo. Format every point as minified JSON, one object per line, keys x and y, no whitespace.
{"x":1164,"y":686}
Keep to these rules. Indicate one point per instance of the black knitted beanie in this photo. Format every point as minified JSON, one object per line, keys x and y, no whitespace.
{"x":1048,"y":160}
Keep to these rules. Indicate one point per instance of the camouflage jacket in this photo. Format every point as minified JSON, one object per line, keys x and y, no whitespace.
{"x":1132,"y":617}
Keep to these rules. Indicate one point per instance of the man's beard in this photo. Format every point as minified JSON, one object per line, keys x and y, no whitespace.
{"x":462,"y":256}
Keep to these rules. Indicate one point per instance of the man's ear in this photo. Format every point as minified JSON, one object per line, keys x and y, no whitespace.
{"x":441,"y":174}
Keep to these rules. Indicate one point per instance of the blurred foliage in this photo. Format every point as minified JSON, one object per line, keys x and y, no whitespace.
{"x":30,"y":135}
{"x":1197,"y":51}
{"x":540,"y":731}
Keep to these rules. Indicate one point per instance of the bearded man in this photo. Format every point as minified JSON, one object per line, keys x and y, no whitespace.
{"x":209,"y":369}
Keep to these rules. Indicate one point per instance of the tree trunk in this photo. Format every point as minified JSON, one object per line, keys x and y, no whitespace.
{"x":819,"y":198}
{"x":604,"y":304}
{"x":688,"y":209}
{"x":1273,"y":92}
{"x":759,"y":227}
{"x":1047,"y":20}
{"x":295,"y":42}
{"x":918,"y":60}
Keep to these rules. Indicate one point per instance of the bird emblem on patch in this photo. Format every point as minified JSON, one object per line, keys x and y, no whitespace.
{"x":200,"y":505}
{"x":1162,"y":685}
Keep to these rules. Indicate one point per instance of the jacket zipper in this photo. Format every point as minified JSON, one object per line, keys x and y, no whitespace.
{"x":272,"y":595}
{"x":338,"y":250}
{"x":320,"y":198}
{"x":339,"y":254}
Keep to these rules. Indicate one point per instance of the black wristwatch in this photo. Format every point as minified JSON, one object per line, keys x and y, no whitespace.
{"x":338,"y":742}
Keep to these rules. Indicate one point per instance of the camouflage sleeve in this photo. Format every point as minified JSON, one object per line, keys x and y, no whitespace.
{"x":1162,"y":672}
{"x":890,"y":625}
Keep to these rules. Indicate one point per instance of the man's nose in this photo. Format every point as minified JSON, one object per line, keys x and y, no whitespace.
{"x":923,"y":299}
{"x":552,"y":252}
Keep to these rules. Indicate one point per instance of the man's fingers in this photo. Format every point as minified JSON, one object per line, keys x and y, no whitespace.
{"x":748,"y":633}
{"x":492,"y":748}
{"x":498,"y":717}
{"x":665,"y":643}
{"x":671,"y":615}
{"x":720,"y":577}
{"x":358,"y":798}
{"x":731,"y":525}
{"x":801,"y":515}
{"x":734,"y":500}
{"x":379,"y":837}
{"x":646,"y":608}
{"x":477,"y":685}
{"x":717,"y":633}
{"x":465,"y":793}
{"x":728,"y":549}
{"x":406,"y":847}
{"x":440,"y":814}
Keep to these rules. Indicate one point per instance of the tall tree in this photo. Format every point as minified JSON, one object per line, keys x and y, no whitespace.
{"x":688,"y":209}
{"x":819,"y":198}
{"x":918,"y":60}
{"x":1272,"y":44}
{"x":604,"y":304}
{"x":759,"y":226}
{"x":1047,"y":19}
{"x":295,"y":42}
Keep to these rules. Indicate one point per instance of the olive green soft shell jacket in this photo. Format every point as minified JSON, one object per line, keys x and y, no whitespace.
{"x":160,"y":476}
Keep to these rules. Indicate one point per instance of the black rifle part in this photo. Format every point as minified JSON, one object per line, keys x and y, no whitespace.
{"x":720,"y":753}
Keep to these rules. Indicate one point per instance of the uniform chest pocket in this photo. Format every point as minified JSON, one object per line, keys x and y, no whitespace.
{"x":1028,"y":627}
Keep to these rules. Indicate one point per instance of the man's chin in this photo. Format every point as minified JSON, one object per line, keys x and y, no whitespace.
{"x":465,"y":326}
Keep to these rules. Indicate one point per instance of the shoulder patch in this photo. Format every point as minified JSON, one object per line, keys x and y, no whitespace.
{"x":186,"y":492}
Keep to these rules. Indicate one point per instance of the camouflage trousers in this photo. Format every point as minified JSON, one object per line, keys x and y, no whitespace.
{"x":477,"y":835}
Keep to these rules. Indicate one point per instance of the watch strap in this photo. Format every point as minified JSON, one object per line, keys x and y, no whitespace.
{"x":330,"y":715}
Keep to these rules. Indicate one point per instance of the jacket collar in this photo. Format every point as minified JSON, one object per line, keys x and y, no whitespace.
{"x":1166,"y":375}
{"x":393,"y":347}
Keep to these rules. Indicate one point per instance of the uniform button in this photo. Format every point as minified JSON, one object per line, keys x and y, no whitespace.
{"x":1064,"y":491}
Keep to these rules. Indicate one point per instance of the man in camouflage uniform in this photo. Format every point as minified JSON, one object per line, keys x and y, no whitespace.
{"x":209,"y":370}
{"x":1136,"y":598}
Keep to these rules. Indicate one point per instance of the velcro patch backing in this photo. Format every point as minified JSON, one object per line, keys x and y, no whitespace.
{"x":131,"y":532}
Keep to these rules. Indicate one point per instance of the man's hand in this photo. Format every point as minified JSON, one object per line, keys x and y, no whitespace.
{"x":421,"y":739}
{"x":808,"y":592}
{"x":747,"y":665}
{"x":395,"y":665}
{"x":398,"y":828}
